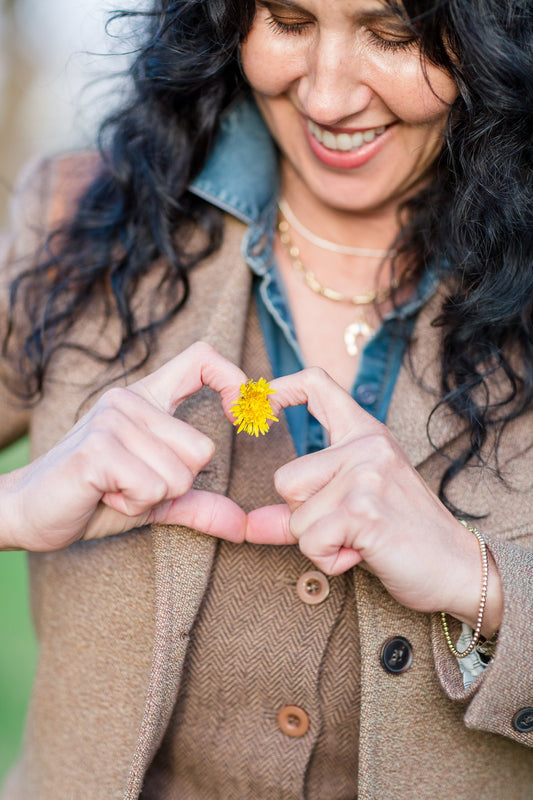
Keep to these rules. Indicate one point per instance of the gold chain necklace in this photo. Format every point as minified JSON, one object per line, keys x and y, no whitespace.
{"x":356,"y":331}
{"x":325,"y":244}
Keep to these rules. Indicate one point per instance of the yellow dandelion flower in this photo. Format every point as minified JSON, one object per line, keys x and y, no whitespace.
{"x":253,"y":410}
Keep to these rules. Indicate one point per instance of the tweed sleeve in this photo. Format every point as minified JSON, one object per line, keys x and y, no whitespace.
{"x":501,"y":699}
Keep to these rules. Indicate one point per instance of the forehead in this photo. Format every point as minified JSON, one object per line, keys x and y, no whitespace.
{"x":357,"y":6}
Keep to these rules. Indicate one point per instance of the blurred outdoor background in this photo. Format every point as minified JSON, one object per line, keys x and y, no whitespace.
{"x":54,"y":89}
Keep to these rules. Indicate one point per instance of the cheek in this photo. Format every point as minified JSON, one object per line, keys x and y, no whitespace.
{"x":269,"y":62}
{"x":251,"y":64}
{"x":436,"y":94}
{"x":413,"y":96}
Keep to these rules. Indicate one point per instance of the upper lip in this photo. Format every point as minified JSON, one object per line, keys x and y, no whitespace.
{"x":337,"y":129}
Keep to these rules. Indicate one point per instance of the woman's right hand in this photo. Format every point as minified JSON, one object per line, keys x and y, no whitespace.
{"x":127,"y":463}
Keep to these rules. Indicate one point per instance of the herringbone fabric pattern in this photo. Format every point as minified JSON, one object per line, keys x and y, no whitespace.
{"x":256,"y":646}
{"x":332,"y":772}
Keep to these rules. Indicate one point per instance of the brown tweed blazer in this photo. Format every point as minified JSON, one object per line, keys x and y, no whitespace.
{"x":114,"y":616}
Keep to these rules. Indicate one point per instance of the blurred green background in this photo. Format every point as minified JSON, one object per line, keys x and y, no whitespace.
{"x":18,"y":649}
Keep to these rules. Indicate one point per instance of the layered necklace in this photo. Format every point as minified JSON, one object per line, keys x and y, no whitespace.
{"x":358,"y":331}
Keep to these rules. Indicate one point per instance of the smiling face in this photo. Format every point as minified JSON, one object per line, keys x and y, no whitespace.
{"x":341,"y":86}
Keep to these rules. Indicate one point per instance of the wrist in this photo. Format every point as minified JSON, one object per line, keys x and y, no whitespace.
{"x":492,"y":618}
{"x":485,"y":615}
{"x":464,"y":605}
{"x":9,"y":529}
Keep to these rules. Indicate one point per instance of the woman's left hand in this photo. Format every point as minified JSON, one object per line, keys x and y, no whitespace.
{"x":360,"y":501}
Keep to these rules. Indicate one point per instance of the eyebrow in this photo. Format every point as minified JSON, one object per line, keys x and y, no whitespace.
{"x":387,"y":11}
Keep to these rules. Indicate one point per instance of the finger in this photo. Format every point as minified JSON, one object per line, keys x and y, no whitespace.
{"x":134,"y":487}
{"x":270,"y":525}
{"x":333,"y":407}
{"x":100,"y":472}
{"x":306,"y":476}
{"x":325,"y":544}
{"x":199,"y":365}
{"x":149,"y":433}
{"x":207,"y":512}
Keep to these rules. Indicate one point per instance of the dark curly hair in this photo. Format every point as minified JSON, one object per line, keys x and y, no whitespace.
{"x":473,"y":220}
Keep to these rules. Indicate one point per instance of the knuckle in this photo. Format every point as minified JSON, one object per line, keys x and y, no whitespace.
{"x":310,"y":551}
{"x":279,"y":482}
{"x":153,"y":493}
{"x":297,"y":523}
{"x":287,"y":485}
{"x":353,"y":500}
{"x":113,"y":398}
{"x":100,"y":437}
{"x":313,"y":376}
{"x":360,"y":504}
{"x":160,"y":491}
{"x":108,"y":422}
{"x":383,"y":449}
{"x":202,"y":350}
{"x":204,"y":451}
{"x":373,"y":482}
{"x":306,"y":550}
{"x":182,"y":481}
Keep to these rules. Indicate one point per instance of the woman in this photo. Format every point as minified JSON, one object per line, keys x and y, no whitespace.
{"x":370,"y":162}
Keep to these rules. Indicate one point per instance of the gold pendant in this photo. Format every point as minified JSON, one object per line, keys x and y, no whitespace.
{"x":354,"y":332}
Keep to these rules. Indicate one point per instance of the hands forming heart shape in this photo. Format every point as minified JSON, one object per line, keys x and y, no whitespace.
{"x":129,"y":462}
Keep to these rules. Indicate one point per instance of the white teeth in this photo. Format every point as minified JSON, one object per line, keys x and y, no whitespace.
{"x":344,"y":141}
{"x":329,"y":140}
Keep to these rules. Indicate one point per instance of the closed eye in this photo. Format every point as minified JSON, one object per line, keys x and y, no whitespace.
{"x":278,"y":26}
{"x":392,"y":44}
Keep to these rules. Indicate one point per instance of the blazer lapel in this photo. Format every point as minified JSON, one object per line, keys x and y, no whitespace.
{"x":183,"y":557}
{"x":417,"y":392}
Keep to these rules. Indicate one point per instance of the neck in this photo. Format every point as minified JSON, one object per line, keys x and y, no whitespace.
{"x":372,"y":230}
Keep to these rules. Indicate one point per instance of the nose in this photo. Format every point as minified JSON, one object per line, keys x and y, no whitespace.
{"x":332,"y":86}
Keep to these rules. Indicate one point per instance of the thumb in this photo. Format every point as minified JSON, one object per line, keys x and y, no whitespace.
{"x":270,"y":525}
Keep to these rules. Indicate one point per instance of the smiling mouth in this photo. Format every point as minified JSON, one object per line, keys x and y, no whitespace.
{"x":344,"y":142}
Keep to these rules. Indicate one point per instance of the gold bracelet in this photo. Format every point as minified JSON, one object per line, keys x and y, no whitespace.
{"x":484,"y":584}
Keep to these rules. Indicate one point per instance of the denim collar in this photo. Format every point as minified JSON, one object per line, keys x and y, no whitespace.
{"x":241,"y":176}
{"x":241,"y":173}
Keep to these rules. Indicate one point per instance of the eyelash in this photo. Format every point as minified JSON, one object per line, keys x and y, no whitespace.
{"x":284,"y":27}
{"x":298,"y":28}
{"x":391,"y":44}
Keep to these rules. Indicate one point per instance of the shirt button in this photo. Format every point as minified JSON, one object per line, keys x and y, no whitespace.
{"x":396,"y":655}
{"x":366,"y":394}
{"x":523,"y":720}
{"x":293,"y":721}
{"x":312,"y":587}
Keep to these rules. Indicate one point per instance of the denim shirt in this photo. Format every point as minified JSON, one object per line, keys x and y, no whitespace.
{"x":241,"y":177}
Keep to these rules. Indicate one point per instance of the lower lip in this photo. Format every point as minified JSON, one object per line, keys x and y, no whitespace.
{"x":350,"y":159}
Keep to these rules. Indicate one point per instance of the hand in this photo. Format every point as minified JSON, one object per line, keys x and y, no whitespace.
{"x":127,"y":463}
{"x":360,"y":501}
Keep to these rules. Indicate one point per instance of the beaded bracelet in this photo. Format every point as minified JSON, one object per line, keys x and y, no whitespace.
{"x":483,"y":600}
